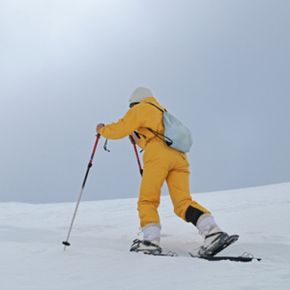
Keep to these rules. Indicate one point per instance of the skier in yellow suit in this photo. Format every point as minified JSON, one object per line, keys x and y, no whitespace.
{"x":161,"y":163}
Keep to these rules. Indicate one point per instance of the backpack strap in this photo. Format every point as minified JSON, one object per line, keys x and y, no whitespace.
{"x":162,"y":137}
{"x":156,"y":107}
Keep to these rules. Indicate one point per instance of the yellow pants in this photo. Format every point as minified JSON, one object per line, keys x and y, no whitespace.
{"x":163,"y":163}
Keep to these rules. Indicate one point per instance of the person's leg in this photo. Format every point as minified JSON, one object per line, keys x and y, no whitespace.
{"x":214,"y":238}
{"x":186,"y":208}
{"x":149,"y":198}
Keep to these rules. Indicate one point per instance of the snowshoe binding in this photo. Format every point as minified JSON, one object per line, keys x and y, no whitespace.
{"x":216,"y":242}
{"x":145,"y":247}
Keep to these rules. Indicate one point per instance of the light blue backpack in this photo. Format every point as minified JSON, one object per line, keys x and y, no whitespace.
{"x":176,"y":135}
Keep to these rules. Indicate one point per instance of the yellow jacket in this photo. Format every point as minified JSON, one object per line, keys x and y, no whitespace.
{"x":160,"y":163}
{"x":139,"y":118}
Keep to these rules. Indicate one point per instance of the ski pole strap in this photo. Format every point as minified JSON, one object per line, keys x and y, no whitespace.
{"x":106,"y":146}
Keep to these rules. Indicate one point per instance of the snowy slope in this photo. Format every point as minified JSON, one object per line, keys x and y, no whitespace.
{"x":32,"y":256}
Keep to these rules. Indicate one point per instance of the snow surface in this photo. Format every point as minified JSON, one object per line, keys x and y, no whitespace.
{"x":32,"y":256}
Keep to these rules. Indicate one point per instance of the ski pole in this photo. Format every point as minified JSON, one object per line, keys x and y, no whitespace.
{"x":66,"y":242}
{"x":137,"y":155}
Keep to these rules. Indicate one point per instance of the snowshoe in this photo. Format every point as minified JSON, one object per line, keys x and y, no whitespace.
{"x":216,"y":242}
{"x":145,"y":247}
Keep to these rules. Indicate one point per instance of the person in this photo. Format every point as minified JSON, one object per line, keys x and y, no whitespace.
{"x":161,"y":163}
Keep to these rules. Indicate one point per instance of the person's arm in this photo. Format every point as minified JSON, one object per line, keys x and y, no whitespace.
{"x":124,"y":127}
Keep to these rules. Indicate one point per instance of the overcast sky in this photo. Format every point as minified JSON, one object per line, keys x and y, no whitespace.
{"x":222,"y":67}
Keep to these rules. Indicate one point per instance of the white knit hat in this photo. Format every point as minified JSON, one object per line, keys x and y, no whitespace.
{"x":140,"y":94}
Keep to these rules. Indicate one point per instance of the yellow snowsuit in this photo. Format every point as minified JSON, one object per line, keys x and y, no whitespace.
{"x":160,"y":163}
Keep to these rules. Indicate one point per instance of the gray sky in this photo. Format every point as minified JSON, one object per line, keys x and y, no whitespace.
{"x":222,"y":67}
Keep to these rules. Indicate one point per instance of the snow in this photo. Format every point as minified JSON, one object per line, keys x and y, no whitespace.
{"x":32,"y":256}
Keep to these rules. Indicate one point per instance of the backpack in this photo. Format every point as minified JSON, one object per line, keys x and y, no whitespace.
{"x":176,"y":135}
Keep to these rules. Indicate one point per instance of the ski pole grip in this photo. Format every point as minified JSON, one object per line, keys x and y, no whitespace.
{"x":98,"y":136}
{"x":132,"y":139}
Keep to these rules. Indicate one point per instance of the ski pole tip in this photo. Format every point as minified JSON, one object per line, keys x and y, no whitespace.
{"x":65,"y":243}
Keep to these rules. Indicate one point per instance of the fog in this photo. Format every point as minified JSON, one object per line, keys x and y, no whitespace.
{"x":222,"y":67}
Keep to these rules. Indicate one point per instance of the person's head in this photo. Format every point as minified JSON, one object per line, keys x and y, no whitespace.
{"x":138,"y":95}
